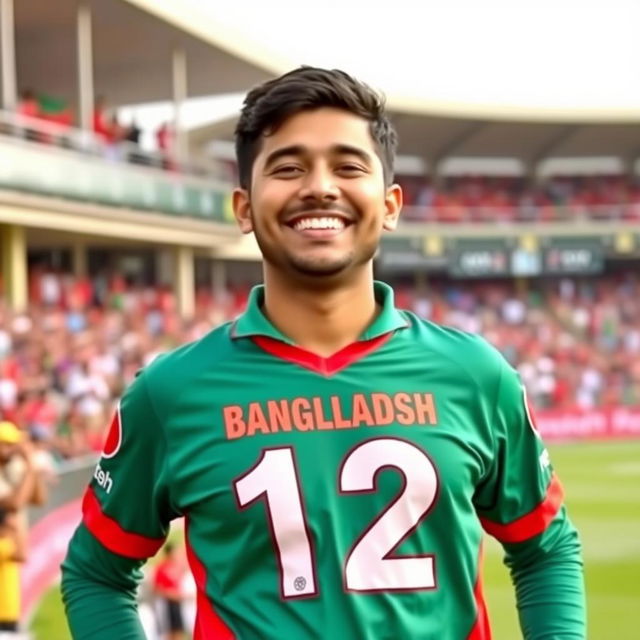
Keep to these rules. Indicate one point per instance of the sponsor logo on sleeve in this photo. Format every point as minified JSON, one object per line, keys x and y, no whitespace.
{"x":531,"y":419}
{"x":114,"y":437}
{"x":545,"y":460}
{"x":103,"y":478}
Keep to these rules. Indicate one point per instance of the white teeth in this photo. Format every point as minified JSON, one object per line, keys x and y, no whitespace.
{"x":319,"y":223}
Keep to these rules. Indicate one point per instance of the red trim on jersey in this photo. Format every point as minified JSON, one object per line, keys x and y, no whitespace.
{"x":534,"y":522}
{"x":481,"y":628}
{"x":208,"y":623}
{"x":112,"y":535}
{"x":325,"y":366}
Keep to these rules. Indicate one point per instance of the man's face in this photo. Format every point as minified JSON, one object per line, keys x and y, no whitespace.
{"x":318,"y":201}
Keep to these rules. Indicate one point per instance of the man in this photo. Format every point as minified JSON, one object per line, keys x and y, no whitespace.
{"x":335,"y":458}
{"x":12,"y":552}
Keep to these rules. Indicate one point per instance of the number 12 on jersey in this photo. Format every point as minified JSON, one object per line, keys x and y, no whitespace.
{"x":368,"y":565}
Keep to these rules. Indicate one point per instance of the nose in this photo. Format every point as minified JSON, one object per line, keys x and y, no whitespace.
{"x":319,"y":184}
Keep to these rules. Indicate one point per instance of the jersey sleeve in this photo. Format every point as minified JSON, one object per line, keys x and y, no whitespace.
{"x":521,"y":503}
{"x":127,"y":506}
{"x":520,"y":495}
{"x":126,"y":513}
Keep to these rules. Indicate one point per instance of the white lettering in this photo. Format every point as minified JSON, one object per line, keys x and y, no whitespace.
{"x":545,"y":460}
{"x":103,"y":478}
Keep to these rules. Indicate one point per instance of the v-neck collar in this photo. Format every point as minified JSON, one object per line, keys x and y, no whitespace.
{"x":255,"y":325}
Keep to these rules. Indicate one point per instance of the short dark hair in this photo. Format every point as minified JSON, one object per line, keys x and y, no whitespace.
{"x":268,"y":105}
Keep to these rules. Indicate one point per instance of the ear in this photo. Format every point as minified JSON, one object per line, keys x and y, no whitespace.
{"x":393,"y":205}
{"x":242,"y":210}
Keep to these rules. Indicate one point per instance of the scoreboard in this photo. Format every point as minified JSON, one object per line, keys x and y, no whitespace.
{"x":495,"y":257}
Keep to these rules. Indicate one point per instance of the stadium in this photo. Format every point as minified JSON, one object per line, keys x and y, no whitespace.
{"x":521,"y":225}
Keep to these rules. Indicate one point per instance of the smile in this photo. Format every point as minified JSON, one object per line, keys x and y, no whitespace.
{"x":326,"y":222}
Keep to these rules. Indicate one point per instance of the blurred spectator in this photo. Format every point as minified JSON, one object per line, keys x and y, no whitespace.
{"x":165,"y":140}
{"x":18,"y":482}
{"x":168,"y":581}
{"x":28,"y":104}
{"x":101,"y":120}
{"x":12,"y":553}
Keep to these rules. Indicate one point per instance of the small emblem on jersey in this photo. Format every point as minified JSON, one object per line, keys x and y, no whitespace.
{"x":114,"y":437}
{"x":299,"y":583}
{"x":545,"y":459}
{"x":529,"y":411}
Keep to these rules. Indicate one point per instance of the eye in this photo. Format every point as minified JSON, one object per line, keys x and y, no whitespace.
{"x":350,"y":168}
{"x":287,"y":170}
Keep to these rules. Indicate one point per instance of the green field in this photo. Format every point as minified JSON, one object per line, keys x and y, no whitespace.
{"x":602,"y":482}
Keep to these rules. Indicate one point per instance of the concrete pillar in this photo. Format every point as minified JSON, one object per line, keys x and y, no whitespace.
{"x":79,"y":259}
{"x":85,"y":67}
{"x":165,"y":267}
{"x":185,"y":281}
{"x":13,"y":249}
{"x":8,"y":54}
{"x":179,"y":81}
{"x":218,"y":279}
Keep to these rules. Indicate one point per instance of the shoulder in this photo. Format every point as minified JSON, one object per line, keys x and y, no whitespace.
{"x":470,"y":353}
{"x":173,"y":371}
{"x":191,"y":358}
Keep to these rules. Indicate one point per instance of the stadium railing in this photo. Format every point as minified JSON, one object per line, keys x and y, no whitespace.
{"x":55,"y":160}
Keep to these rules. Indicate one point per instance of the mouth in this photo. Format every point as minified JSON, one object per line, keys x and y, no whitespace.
{"x":319,"y":225}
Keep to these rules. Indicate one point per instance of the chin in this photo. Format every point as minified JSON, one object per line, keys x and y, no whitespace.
{"x":320,"y":267}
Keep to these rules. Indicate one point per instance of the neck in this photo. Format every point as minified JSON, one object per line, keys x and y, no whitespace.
{"x":321,"y":319}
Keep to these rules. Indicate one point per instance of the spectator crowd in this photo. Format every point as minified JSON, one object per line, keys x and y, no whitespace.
{"x":66,"y":360}
{"x":511,"y":199}
{"x":50,"y":120}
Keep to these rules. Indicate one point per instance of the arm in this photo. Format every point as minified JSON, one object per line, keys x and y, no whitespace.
{"x":126,"y":512}
{"x":99,"y":591}
{"x":39,"y":494}
{"x":547,"y":575}
{"x":20,"y":541}
{"x":23,"y":492}
{"x":521,"y":504}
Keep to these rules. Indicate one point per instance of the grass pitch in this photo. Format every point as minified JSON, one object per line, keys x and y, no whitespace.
{"x":602,"y":483}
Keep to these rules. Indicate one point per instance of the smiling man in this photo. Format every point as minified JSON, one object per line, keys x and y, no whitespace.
{"x":336,"y":459}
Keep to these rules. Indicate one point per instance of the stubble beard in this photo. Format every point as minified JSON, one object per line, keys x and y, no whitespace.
{"x":310,"y":267}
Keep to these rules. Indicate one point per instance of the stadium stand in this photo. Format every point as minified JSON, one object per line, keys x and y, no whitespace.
{"x":111,"y":255}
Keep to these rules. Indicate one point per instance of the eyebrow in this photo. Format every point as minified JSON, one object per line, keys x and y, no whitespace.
{"x":299,"y":150}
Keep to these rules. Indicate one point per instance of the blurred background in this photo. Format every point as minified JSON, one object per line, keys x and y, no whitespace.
{"x":519,"y":155}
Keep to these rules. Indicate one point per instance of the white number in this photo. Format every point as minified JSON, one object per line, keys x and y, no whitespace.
{"x":368,"y":566}
{"x":274,"y":476}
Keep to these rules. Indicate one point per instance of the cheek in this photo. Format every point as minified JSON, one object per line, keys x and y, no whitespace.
{"x":269,"y":198}
{"x":370,"y":199}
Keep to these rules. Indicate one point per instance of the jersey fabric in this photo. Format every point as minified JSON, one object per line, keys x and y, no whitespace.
{"x":328,"y":497}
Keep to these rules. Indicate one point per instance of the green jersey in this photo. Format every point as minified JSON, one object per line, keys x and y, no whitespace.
{"x":336,"y":497}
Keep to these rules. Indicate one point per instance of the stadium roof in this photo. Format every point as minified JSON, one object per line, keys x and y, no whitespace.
{"x":133,"y":41}
{"x":545,"y":60}
{"x":598,"y":114}
{"x":132,"y":50}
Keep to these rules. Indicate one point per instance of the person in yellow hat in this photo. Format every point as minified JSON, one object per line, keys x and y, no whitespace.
{"x":17,"y":474}
{"x":12,"y":553}
{"x":17,"y":481}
